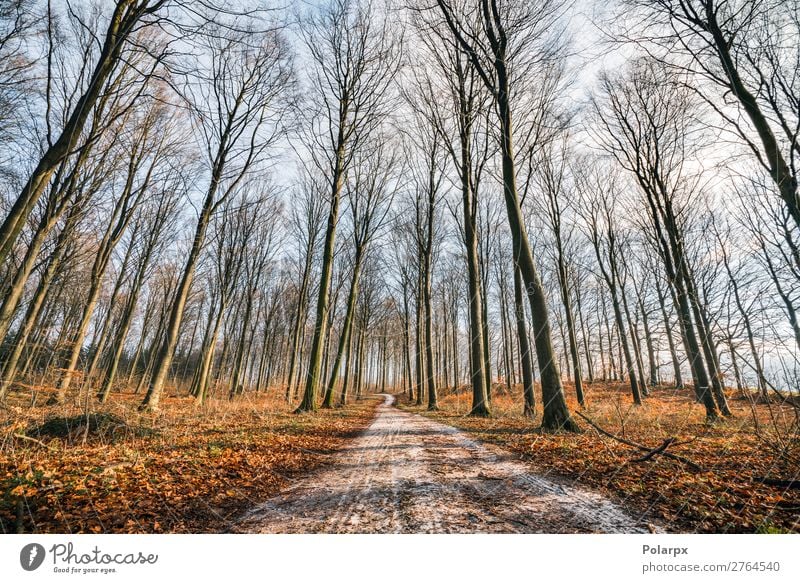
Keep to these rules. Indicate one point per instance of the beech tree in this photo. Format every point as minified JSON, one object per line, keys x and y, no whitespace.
{"x":742,"y":57}
{"x":237,"y":94}
{"x":647,"y":125}
{"x":369,"y":195}
{"x":496,"y":36}
{"x":122,"y":23}
{"x":355,"y":55}
{"x":453,"y":108}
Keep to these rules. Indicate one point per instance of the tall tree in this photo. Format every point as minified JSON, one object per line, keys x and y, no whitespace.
{"x":126,"y":16}
{"x":497,"y":36}
{"x":647,"y":129}
{"x":369,"y":194}
{"x":354,"y":55}
{"x":237,"y":94}
{"x":747,"y":50}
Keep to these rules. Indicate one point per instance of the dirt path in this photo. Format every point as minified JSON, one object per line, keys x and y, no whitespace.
{"x":409,"y":474}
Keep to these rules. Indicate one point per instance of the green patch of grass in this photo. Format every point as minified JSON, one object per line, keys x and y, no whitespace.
{"x":769,"y":528}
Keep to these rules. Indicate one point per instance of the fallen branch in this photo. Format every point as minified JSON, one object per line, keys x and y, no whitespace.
{"x":654,"y":452}
{"x":32,"y":440}
{"x":793,"y":484}
{"x":641,"y":447}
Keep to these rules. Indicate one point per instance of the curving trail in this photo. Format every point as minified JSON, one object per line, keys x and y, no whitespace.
{"x":409,"y":474}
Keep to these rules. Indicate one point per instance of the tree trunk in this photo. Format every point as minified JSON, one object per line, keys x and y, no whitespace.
{"x":163,"y":358}
{"x":676,"y":364}
{"x":529,"y":409}
{"x":319,"y":340}
{"x":122,"y":23}
{"x":570,"y":321}
{"x":556,"y":415}
{"x":344,"y":337}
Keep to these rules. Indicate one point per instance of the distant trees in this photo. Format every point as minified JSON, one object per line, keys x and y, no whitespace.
{"x":426,"y":193}
{"x":602,"y":231}
{"x":307,"y":220}
{"x":552,"y":170}
{"x":412,"y":199}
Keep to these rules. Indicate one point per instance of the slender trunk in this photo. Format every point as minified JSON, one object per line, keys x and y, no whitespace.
{"x":430,"y":381}
{"x":623,"y":340}
{"x":529,"y":409}
{"x":407,"y":342}
{"x":584,"y":333}
{"x":676,"y":364}
{"x":348,"y":360}
{"x":487,"y":345}
{"x":570,"y":321}
{"x":610,"y":276}
{"x":648,"y":340}
{"x":134,"y":363}
{"x":240,"y":354}
{"x":505,"y":337}
{"x":319,"y":340}
{"x":344,"y":337}
{"x":360,"y":362}
{"x":477,"y":348}
{"x":122,"y":331}
{"x":420,"y":372}
{"x":710,"y":351}
{"x":200,"y":386}
{"x":634,"y":337}
{"x":298,"y":325}
{"x":734,"y":363}
{"x":166,"y":350}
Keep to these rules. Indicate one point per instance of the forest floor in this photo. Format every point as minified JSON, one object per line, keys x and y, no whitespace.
{"x":726,"y":493}
{"x":409,"y":474}
{"x":252,"y":466}
{"x":186,"y":469}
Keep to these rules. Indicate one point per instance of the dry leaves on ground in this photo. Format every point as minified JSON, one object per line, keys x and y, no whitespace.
{"x":736,"y":455}
{"x":186,"y":469}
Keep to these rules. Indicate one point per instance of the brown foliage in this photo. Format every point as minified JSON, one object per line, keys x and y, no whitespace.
{"x":736,"y":456}
{"x":187,"y":469}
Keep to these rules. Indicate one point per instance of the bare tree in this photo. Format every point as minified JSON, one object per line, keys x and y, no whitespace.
{"x":370,"y":190}
{"x":354,"y":57}
{"x":603,"y":233}
{"x":454,"y":108}
{"x":122,"y":23}
{"x":646,"y":127}
{"x":497,"y":37}
{"x":237,"y":95}
{"x":307,"y":220}
{"x":747,"y":51}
